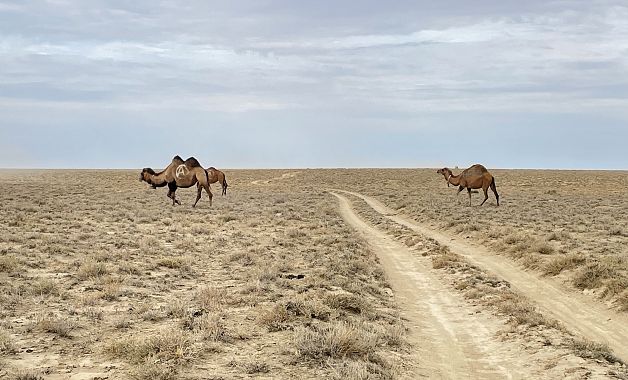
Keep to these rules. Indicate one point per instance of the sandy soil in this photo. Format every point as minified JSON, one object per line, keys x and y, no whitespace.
{"x":101,"y":278}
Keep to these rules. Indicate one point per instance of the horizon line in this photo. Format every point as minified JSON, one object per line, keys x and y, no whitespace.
{"x":327,"y":168}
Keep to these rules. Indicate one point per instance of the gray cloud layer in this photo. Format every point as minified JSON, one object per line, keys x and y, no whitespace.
{"x":284,"y":83}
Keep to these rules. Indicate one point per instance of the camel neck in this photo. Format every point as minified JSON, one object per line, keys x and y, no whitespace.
{"x":158,"y":179}
{"x":453,"y":179}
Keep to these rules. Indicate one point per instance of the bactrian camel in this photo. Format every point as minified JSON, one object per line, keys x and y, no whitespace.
{"x":475,"y":177}
{"x":179,"y":174}
{"x":216,"y":175}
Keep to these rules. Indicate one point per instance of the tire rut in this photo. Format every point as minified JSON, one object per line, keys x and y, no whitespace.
{"x":452,"y":340}
{"x":579,"y":314}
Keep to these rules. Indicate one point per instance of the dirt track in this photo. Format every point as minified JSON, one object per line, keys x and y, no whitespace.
{"x":591,"y":320}
{"x":450,"y":344}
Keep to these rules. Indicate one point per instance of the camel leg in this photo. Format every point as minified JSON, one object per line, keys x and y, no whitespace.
{"x":171,"y":193}
{"x":198,"y":194}
{"x":209,"y":194}
{"x":469,"y":191}
{"x":485,"y":196}
{"x":494,"y":188}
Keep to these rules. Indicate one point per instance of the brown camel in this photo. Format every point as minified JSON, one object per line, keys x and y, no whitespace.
{"x":179,"y":174}
{"x":474,"y":177}
{"x":216,"y":175}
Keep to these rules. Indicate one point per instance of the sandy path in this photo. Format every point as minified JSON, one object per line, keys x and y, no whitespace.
{"x":578,"y":313}
{"x":452,"y":341}
{"x":267,"y":181}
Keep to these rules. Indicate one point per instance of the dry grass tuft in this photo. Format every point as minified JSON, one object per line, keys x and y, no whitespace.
{"x":92,"y":269}
{"x":6,"y":343}
{"x":58,"y":326}
{"x":28,"y":375}
{"x":9,"y":264}
{"x":445,"y":260}
{"x":593,"y":275}
{"x":562,"y":263}
{"x":348,"y":302}
{"x":212,"y":298}
{"x":152,"y":369}
{"x":184,"y":264}
{"x":592,"y":350}
{"x":44,"y":287}
{"x":211,"y":327}
{"x":544,"y":248}
{"x":167,"y":345}
{"x":334,"y":340}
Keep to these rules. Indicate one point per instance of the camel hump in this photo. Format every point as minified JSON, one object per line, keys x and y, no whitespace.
{"x":177,"y":159}
{"x":478,"y":167}
{"x":192,"y":162}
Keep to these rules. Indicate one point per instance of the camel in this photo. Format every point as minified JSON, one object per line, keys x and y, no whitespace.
{"x":474,"y":177}
{"x":179,"y":174}
{"x":216,"y":175}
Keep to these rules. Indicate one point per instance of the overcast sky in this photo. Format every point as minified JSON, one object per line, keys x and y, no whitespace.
{"x":282,"y":83}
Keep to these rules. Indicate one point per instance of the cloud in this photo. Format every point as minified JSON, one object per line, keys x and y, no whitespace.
{"x":394,"y":63}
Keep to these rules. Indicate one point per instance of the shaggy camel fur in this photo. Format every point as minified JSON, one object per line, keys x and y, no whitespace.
{"x":474,"y":177}
{"x":179,"y":174}
{"x":216,"y":175}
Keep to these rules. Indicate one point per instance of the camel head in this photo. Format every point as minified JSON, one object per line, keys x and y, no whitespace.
{"x":145,"y":174}
{"x":446,"y":173}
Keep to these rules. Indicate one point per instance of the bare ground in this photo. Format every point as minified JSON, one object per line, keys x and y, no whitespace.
{"x":101,"y":278}
{"x":458,"y":339}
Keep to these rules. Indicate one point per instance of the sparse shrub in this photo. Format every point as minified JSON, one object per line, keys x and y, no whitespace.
{"x":616,"y":231}
{"x":444,"y":258}
{"x":348,"y":302}
{"x":211,"y":327}
{"x":227,"y":218}
{"x":61,"y":327}
{"x":91,"y":270}
{"x":8,"y":264}
{"x":275,"y":319}
{"x":514,"y":238}
{"x":95,"y":314}
{"x":111,"y":291}
{"x":181,"y":263}
{"x":334,"y":340}
{"x":44,"y":286}
{"x":244,"y":258}
{"x":562,"y":263}
{"x":543,"y":248}
{"x":294,"y":233}
{"x":27,"y":375}
{"x":152,"y":369}
{"x":128,"y":268}
{"x":593,"y":275}
{"x":166,"y":345}
{"x":523,"y":313}
{"x":211,"y":298}
{"x":6,"y":343}
{"x":150,"y":245}
{"x":352,"y":369}
{"x":593,"y":350}
{"x":176,"y":308}
{"x":186,"y":245}
{"x":558,"y":236}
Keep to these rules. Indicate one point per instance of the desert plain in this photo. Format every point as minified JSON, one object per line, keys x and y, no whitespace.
{"x":314,"y":273}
